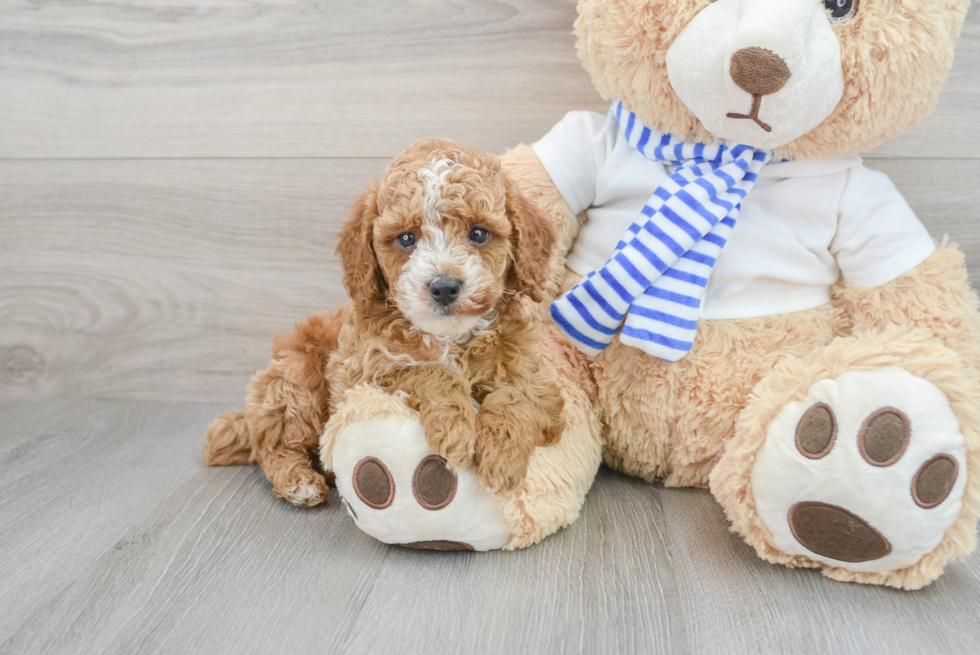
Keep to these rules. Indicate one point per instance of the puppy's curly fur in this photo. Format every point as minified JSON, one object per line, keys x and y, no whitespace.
{"x":439,"y":211}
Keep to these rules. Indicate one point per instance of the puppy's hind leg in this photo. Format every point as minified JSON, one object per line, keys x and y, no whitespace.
{"x":284,"y":415}
{"x":294,"y":478}
{"x":228,"y":441}
{"x":287,"y":408}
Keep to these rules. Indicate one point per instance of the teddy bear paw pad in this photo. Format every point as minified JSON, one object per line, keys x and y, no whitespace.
{"x":400,"y":492}
{"x":865,"y":473}
{"x":372,"y":483}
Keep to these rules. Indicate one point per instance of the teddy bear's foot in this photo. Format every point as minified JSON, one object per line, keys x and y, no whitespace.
{"x":400,"y":492}
{"x":858,"y":459}
{"x":867,"y":472}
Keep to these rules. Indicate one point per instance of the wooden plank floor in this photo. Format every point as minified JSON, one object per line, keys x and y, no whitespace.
{"x":115,"y":539}
{"x":172,"y":174}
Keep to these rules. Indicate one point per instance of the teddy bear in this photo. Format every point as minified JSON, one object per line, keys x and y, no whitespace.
{"x":764,"y":316}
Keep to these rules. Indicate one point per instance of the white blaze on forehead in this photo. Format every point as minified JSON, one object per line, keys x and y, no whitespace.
{"x":436,"y":254}
{"x":433,"y":178}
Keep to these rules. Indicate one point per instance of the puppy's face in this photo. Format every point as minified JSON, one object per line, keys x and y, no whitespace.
{"x":446,"y":231}
{"x":443,"y":242}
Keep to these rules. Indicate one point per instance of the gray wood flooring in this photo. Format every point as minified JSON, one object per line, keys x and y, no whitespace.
{"x":172,"y":174}
{"x":115,"y":539}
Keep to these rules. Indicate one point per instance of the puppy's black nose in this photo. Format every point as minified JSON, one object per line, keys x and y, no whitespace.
{"x":445,"y":290}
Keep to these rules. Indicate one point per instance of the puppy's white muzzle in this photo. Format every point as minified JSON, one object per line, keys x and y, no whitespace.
{"x":796,"y":33}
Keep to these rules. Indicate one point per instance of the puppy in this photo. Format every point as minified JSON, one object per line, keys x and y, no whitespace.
{"x":440,"y":257}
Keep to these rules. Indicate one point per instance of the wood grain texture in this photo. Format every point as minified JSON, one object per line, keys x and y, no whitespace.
{"x":72,"y":489}
{"x":134,"y":546}
{"x":282,"y":78}
{"x":165,"y":280}
{"x":327,"y":78}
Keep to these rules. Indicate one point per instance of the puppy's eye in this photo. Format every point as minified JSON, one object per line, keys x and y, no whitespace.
{"x":406,"y":240}
{"x":479,"y":236}
{"x":841,"y":10}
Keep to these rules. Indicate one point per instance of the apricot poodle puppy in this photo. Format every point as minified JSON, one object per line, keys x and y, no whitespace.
{"x":440,"y":257}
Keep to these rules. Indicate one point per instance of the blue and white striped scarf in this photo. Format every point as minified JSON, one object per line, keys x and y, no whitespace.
{"x":655,"y":281}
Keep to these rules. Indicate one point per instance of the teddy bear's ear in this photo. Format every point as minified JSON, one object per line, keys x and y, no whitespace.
{"x":533,"y":237}
{"x":363,"y":279}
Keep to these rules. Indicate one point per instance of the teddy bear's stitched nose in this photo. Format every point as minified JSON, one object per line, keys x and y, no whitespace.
{"x":759,"y":71}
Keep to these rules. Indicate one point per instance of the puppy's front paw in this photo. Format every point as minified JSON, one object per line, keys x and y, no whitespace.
{"x":502,"y":455}
{"x":552,"y":432}
{"x":500,"y":474}
{"x":451,"y":433}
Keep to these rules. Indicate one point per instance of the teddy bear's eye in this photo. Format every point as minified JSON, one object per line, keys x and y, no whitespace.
{"x":841,"y":10}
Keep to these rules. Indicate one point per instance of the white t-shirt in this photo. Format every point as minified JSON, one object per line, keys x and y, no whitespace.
{"x":803,"y":226}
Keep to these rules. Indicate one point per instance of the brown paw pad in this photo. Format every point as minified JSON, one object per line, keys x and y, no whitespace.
{"x":836,"y":533}
{"x":816,"y":431}
{"x":373,"y":483}
{"x":439,"y":544}
{"x":884,"y":436}
{"x":433,"y":484}
{"x":933,"y":481}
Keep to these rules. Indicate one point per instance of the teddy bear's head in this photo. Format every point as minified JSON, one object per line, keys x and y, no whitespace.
{"x":812,"y":79}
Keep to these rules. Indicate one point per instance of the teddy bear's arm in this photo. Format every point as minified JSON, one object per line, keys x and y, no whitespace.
{"x":935,"y":295}
{"x":526,"y":171}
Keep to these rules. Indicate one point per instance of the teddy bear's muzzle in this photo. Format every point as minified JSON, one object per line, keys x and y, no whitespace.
{"x":778,"y":61}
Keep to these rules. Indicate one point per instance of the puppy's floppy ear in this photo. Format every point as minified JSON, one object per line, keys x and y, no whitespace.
{"x":534,"y":240}
{"x":362,"y":276}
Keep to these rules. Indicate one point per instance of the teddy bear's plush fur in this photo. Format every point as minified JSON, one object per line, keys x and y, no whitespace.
{"x":702,"y":421}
